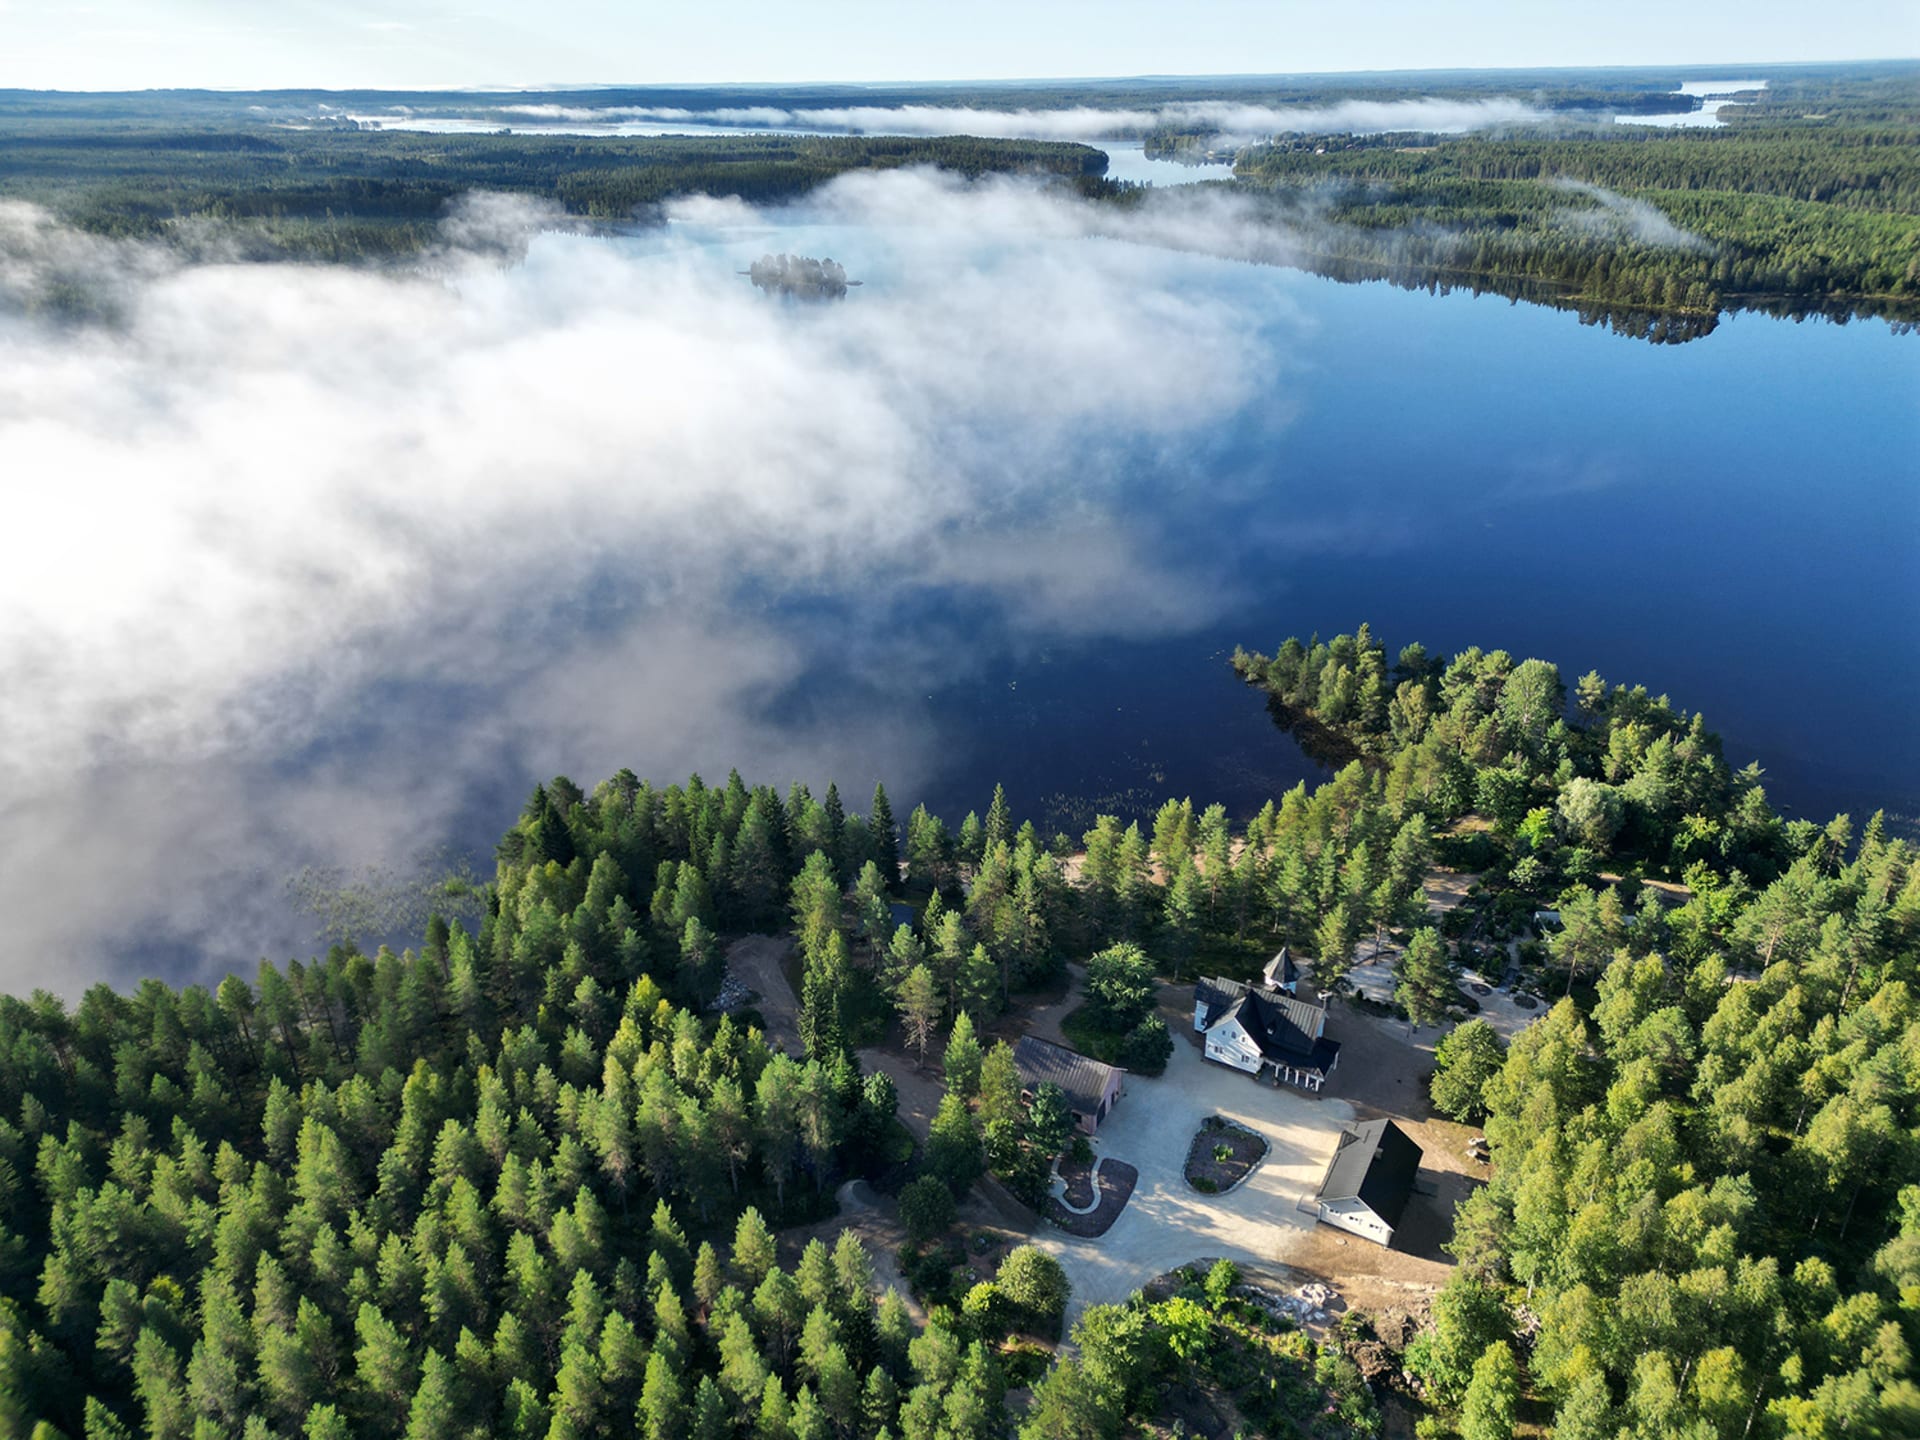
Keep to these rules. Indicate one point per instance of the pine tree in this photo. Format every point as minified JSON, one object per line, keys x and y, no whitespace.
{"x":753,"y":1249}
{"x":1425,"y":987}
{"x":920,"y":1006}
{"x":663,"y":1410}
{"x":963,"y":1058}
{"x":772,"y":1423}
{"x":954,"y":1150}
{"x":710,"y":1420}
{"x":886,"y":838}
{"x":433,"y":1411}
{"x":998,"y":829}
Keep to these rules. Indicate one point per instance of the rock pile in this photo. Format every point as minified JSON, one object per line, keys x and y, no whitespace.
{"x":733,"y":995}
{"x":1306,"y":1306}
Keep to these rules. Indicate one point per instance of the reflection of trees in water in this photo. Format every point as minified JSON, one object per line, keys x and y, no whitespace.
{"x":378,"y":903}
{"x":801,"y":276}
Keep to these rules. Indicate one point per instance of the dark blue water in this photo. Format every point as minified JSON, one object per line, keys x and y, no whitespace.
{"x":1734,"y":522}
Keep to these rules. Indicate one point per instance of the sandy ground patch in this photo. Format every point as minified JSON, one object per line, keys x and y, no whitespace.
{"x":1501,"y":1007}
{"x":1446,"y":888}
{"x":921,"y":1088}
{"x":1043,"y":1020}
{"x":759,"y":963}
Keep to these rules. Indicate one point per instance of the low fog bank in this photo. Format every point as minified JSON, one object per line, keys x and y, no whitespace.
{"x":1236,"y":122}
{"x":322,"y":567}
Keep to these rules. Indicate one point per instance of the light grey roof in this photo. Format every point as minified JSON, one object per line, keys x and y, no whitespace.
{"x":1084,"y":1079}
{"x":1375,"y":1163}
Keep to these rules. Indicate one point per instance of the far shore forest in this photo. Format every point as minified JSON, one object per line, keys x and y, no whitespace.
{"x":523,"y":1181}
{"x":1805,"y":202}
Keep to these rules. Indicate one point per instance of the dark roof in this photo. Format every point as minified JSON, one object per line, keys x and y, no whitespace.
{"x":1084,"y":1080}
{"x":1283,"y":1026}
{"x":1375,"y":1164}
{"x":1281,"y":970}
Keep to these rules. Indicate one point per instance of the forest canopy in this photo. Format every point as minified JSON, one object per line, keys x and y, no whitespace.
{"x":1807,"y":201}
{"x":524,"y":1180}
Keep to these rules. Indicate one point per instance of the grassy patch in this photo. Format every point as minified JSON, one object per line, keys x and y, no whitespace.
{"x":1089,"y":1037}
{"x":1086,"y":1034}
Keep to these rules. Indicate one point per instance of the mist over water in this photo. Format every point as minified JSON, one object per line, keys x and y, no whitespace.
{"x":999,"y":514}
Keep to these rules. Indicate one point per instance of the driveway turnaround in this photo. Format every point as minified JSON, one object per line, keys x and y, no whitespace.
{"x":1168,"y":1223}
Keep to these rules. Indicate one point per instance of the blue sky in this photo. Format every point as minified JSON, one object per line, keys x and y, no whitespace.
{"x":113,"y":44}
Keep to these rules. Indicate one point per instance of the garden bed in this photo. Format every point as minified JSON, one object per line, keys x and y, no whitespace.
{"x":1116,"y":1179}
{"x":1078,"y":1177}
{"x":1222,"y":1155}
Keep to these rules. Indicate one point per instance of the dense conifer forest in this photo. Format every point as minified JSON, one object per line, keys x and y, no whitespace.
{"x":342,"y":194}
{"x":1703,"y":1218}
{"x":1807,"y":201}
{"x":521,"y":1179}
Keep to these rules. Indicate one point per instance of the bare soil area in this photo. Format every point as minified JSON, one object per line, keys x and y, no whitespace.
{"x":759,"y":963}
{"x":1040,"y":1012}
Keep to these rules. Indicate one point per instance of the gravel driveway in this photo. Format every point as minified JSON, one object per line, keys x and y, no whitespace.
{"x":1168,"y":1223}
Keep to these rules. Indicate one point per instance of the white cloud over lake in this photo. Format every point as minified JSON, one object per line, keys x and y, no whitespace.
{"x":308,"y":564}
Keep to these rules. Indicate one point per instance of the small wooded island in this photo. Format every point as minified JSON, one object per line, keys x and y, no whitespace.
{"x":800,"y":277}
{"x":578,"y":1163}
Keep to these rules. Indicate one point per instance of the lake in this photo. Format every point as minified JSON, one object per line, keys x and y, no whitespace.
{"x":1734,"y":521}
{"x":999,"y":515}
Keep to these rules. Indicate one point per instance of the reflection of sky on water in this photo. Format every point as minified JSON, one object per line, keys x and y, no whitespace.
{"x":1452,"y":469}
{"x":1058,"y":479}
{"x":1716,"y":95}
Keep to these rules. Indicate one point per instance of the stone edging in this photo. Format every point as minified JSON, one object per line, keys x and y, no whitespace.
{"x":1203,"y":1128}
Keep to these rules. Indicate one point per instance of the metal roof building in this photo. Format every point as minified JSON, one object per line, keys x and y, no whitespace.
{"x":1091,"y":1086}
{"x":1369,"y":1180}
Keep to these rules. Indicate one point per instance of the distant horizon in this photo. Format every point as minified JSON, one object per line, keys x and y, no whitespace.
{"x":111,"y":46}
{"x":1717,"y":67}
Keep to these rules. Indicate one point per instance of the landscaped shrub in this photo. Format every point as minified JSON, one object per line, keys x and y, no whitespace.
{"x":1147,"y":1047}
{"x":1220,"y":1282}
{"x":1033,"y":1282}
{"x":926,"y":1208}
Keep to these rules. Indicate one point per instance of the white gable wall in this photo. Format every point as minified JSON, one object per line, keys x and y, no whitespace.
{"x":1229,"y":1044}
{"x":1356,"y":1218}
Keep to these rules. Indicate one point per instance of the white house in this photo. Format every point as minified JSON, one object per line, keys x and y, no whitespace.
{"x":1265,"y":1032}
{"x":1369,"y":1180}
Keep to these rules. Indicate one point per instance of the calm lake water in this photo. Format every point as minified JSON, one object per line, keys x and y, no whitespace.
{"x":1059,"y":479}
{"x":1734,"y":521}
